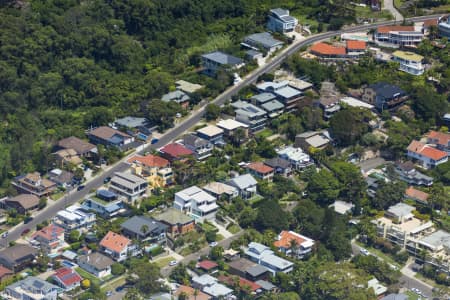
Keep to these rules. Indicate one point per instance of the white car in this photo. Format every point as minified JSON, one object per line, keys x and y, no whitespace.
{"x":364,"y":252}
{"x":172,"y":263}
{"x":213,"y":244}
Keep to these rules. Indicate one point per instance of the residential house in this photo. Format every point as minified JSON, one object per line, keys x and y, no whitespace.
{"x":207,"y":266}
{"x":407,"y":172}
{"x":262,"y":41}
{"x":217,"y":60}
{"x":254,"y":117}
{"x":329,"y":100}
{"x":81,"y":147}
{"x":67,"y":278}
{"x":96,"y":263}
{"x":145,"y":229}
{"x":428,"y":156}
{"x":253,"y":55}
{"x":342,"y":207}
{"x":247,"y":286}
{"x":262,"y":255}
{"x":297,"y":159}
{"x":22,"y":203}
{"x":66,"y":157}
{"x":117,"y":246}
{"x":400,"y":212}
{"x":175,"y":151}
{"x":353,"y":102}
{"x":177,"y":222}
{"x":32,"y":288}
{"x":5,"y":274}
{"x":177,"y":96}
{"x":273,"y":108}
{"x":209,"y":285}
{"x":230,"y":127}
{"x":280,"y":165}
{"x":74,"y":218}
{"x":104,"y":203}
{"x":62,"y":178}
{"x":355,"y":48}
{"x":140,"y":128}
{"x":396,"y":36}
{"x":245,"y":184}
{"x":409,"y":62}
{"x":289,"y":96}
{"x":191,"y":293}
{"x":395,"y":297}
{"x":202,"y":148}
{"x":110,"y":137}
{"x":128,"y":185}
{"x":197,"y":203}
{"x":384,"y":95}
{"x":261,"y":171}
{"x":18,"y":257}
{"x":325,"y":50}
{"x":155,"y":169}
{"x":211,"y":133}
{"x":440,"y":140}
{"x":417,"y":195}
{"x":33,"y":183}
{"x":188,"y":87}
{"x":280,"y":21}
{"x":444,"y":27}
{"x":221,"y":190}
{"x":240,"y":266}
{"x":311,"y":140}
{"x":377,"y":287}
{"x":50,"y":238}
{"x":267,"y":287}
{"x":261,"y":98}
{"x":293,"y":244}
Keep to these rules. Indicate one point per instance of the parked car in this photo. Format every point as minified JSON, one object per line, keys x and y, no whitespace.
{"x":107,"y":179}
{"x":80,"y":187}
{"x":172,"y":263}
{"x":27,"y":220}
{"x":213,"y":244}
{"x":25,"y":231}
{"x":364,"y":252}
{"x":109,"y":293}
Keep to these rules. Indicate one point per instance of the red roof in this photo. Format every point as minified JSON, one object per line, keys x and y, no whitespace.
{"x":260,"y":167}
{"x":326,"y":49}
{"x":229,"y":280}
{"x":433,"y":153}
{"x":416,"y":146}
{"x":441,"y":137}
{"x":286,"y":237}
{"x":387,"y":29}
{"x":207,"y":265}
{"x":432,"y":22}
{"x":356,"y":45}
{"x":176,"y":150}
{"x":115,"y":242}
{"x":67,"y":276}
{"x":49,"y":233}
{"x":416,"y":194}
{"x":150,"y":160}
{"x":5,"y":271}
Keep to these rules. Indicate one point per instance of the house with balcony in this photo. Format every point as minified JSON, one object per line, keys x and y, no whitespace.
{"x":246,"y":185}
{"x":261,"y":171}
{"x":201,"y":148}
{"x":177,"y":96}
{"x":18,"y":257}
{"x":176,"y":221}
{"x":32,"y":288}
{"x":396,"y":36}
{"x":280,"y":165}
{"x":409,"y":62}
{"x":22,"y":203}
{"x":280,"y":21}
{"x":254,"y":117}
{"x":197,"y":203}
{"x":298,"y":159}
{"x":155,"y":169}
{"x":74,"y":217}
{"x":35,"y":184}
{"x":437,"y":248}
{"x":211,"y":133}
{"x":407,"y":172}
{"x":81,"y":147}
{"x":230,"y":127}
{"x":265,"y":257}
{"x":416,"y":195}
{"x":110,"y":137}
{"x":428,"y":156}
{"x":293,"y":244}
{"x":96,"y":263}
{"x":262,"y":41}
{"x":312,"y":140}
{"x":118,"y":247}
{"x":289,"y":96}
{"x":221,"y":190}
{"x":439,"y":140}
{"x":444,"y":27}
{"x":384,"y":95}
{"x":145,"y":229}
{"x":104,"y":203}
{"x":138,"y":127}
{"x":129,"y":186}
{"x":50,"y":239}
{"x":214,"y":61}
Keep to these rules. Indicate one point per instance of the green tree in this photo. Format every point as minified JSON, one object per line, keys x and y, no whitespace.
{"x":271,"y":216}
{"x":117,"y":269}
{"x":348,"y":126}
{"x":180,"y":274}
{"x":212,"y":111}
{"x":323,"y":187}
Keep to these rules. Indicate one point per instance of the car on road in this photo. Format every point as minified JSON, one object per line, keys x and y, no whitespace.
{"x":172,"y":263}
{"x":120,"y":288}
{"x":5,"y":234}
{"x":80,"y":187}
{"x":27,"y":220}
{"x":364,"y":252}
{"x":25,"y":231}
{"x":213,"y":244}
{"x":107,"y":179}
{"x":108,"y":293}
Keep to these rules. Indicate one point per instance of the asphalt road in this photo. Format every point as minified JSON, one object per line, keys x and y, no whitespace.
{"x":49,"y":212}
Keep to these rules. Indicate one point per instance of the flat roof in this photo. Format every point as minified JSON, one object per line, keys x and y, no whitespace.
{"x":406,"y":55}
{"x":353,"y":102}
{"x":231,"y":124}
{"x":210,"y":130}
{"x":188,"y":87}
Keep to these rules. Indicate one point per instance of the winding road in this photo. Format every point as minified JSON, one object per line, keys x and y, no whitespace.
{"x":75,"y":196}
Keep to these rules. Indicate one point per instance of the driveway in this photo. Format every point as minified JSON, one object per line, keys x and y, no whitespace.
{"x":370,"y":164}
{"x":389,"y":5}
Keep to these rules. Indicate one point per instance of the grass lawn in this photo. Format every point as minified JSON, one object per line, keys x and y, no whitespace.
{"x":411,"y":295}
{"x":208,"y":227}
{"x":164,"y":261}
{"x":57,"y":196}
{"x":366,"y":12}
{"x":265,"y":133}
{"x":387,"y":258}
{"x":114,"y":283}
{"x":87,"y":275}
{"x":219,"y":237}
{"x":234,"y":229}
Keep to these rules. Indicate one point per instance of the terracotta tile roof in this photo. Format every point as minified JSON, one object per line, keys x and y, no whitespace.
{"x":176,"y":150}
{"x":387,"y":29}
{"x":432,"y":22}
{"x":5,"y":271}
{"x":433,"y":153}
{"x":416,"y":194}
{"x":441,"y":137}
{"x":190,"y":293}
{"x":356,"y":45}
{"x":326,"y":49}
{"x":229,"y":280}
{"x":260,"y":167}
{"x":285,"y":239}
{"x":49,"y":233}
{"x":207,"y":265}
{"x":115,"y":242}
{"x":67,"y":276}
{"x":105,"y":132}
{"x":150,"y":160}
{"x":416,"y":146}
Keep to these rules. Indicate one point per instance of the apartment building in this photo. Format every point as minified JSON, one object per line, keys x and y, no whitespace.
{"x":398,"y":36}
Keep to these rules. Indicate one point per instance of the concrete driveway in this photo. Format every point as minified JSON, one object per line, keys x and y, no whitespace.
{"x":389,"y":5}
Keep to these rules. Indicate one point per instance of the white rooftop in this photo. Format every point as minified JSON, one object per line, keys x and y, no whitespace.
{"x":353,"y":102}
{"x":210,"y":130}
{"x":188,"y":87}
{"x":342,"y":207}
{"x":401,"y":210}
{"x":231,"y":124}
{"x":195,"y":193}
{"x":293,"y":154}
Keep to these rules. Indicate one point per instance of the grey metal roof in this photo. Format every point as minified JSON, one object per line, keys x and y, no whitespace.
{"x":34,"y":284}
{"x":395,"y":297}
{"x":263,"y":97}
{"x":127,"y":180}
{"x":223,"y":58}
{"x":131,"y":122}
{"x":177,"y":96}
{"x":97,"y":260}
{"x":401,"y":209}
{"x":250,"y":110}
{"x":194,"y":141}
{"x":278,"y":162}
{"x":256,"y":270}
{"x":243,"y":181}
{"x":136,"y":223}
{"x":437,"y":239}
{"x":288,"y":92}
{"x":252,"y":53}
{"x":264,"y":39}
{"x":280,"y":12}
{"x":386,"y":90}
{"x":272,"y":105}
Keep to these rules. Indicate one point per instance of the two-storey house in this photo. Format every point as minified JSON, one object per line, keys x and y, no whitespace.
{"x":74,"y":217}
{"x":155,"y":169}
{"x":197,"y":203}
{"x":280,"y":21}
{"x":117,"y":246}
{"x":384,"y":95}
{"x":50,"y":238}
{"x":33,"y":183}
{"x":289,"y":96}
{"x":428,"y":156}
{"x":440,"y":140}
{"x":254,"y":117}
{"x":202,"y":148}
{"x":217,"y":60}
{"x":263,"y":256}
{"x":398,"y":36}
{"x":130,"y":186}
{"x":409,"y":62}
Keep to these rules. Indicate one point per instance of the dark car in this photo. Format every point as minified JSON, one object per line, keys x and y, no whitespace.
{"x":80,"y":187}
{"x":107,"y":179}
{"x":25,"y":231}
{"x":27,"y":220}
{"x":120,"y":288}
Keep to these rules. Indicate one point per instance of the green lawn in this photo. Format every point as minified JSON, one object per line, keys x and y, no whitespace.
{"x":234,"y":229}
{"x":57,"y":196}
{"x":366,"y":12}
{"x":163,"y":262}
{"x":411,"y":295}
{"x":114,"y":283}
{"x":87,"y":275}
{"x":265,"y":133}
{"x":219,"y":237}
